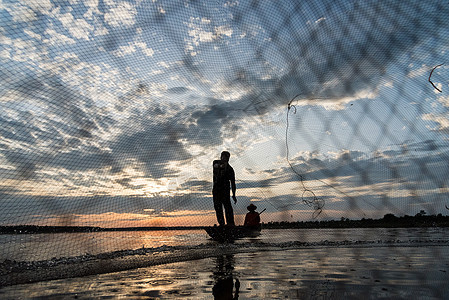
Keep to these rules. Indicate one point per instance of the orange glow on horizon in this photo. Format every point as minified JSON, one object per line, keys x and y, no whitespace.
{"x":170,"y":219}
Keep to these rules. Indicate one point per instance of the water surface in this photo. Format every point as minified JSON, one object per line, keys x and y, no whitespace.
{"x":328,"y":273}
{"x":31,"y":247}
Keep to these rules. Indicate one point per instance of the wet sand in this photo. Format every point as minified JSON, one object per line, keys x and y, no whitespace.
{"x":411,"y":271}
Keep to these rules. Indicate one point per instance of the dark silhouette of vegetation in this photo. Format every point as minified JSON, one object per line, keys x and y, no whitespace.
{"x":421,"y":219}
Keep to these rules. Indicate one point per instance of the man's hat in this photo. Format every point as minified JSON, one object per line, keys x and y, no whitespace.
{"x":251,"y":207}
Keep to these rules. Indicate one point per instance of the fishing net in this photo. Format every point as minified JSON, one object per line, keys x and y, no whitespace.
{"x":112,"y":112}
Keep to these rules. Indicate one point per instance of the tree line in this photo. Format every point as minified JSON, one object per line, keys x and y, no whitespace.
{"x":421,"y":219}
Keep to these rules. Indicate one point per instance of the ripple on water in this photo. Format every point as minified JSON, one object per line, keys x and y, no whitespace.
{"x":337,"y":276}
{"x":161,"y":282}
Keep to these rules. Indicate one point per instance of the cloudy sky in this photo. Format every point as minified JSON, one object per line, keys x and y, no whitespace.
{"x":111,"y":112}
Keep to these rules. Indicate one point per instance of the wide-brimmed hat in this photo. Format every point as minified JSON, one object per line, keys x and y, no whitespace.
{"x":251,"y":207}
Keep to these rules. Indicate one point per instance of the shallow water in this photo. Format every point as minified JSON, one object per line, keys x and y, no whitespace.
{"x":336,"y":273}
{"x":330,"y":263}
{"x":33,"y":247}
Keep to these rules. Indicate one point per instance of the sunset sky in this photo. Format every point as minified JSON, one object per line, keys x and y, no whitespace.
{"x":111,"y":112}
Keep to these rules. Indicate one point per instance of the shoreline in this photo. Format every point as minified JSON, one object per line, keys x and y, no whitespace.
{"x":389,"y":222}
{"x":13,"y":272}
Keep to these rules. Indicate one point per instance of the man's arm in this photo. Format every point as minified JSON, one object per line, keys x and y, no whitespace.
{"x":233,"y":188}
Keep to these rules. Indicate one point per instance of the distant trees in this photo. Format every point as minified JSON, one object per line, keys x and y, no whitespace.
{"x":421,"y":213}
{"x":389,"y":220}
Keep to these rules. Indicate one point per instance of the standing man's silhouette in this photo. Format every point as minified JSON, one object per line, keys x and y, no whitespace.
{"x":224,"y":181}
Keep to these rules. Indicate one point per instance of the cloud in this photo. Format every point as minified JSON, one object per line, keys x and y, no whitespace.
{"x":42,"y":209}
{"x":197,"y":185}
{"x":78,"y":28}
{"x":120,"y":14}
{"x":124,"y":50}
{"x":57,"y":39}
{"x":155,"y":147}
{"x":18,"y":130}
{"x":131,"y":48}
{"x":27,"y":12}
{"x":179,"y":90}
{"x":424,"y":146}
{"x":441,"y":120}
{"x":342,"y":58}
{"x":200,"y":35}
{"x":356,"y":180}
{"x":98,"y":120}
{"x":145,"y":50}
{"x":395,"y":168}
{"x":55,"y":126}
{"x":72,"y":135}
{"x":202,"y":30}
{"x":28,"y":162}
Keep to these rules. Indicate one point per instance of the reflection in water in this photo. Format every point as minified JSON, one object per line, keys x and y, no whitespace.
{"x":43,"y":246}
{"x":378,"y":272}
{"x":224,"y":279}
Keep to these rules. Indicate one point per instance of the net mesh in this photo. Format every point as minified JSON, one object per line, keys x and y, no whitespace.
{"x":112,"y":112}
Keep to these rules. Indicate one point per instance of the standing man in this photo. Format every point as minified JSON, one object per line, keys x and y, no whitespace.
{"x":224,"y":181}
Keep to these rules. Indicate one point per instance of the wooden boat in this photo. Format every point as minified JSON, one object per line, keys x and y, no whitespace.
{"x":231,"y":233}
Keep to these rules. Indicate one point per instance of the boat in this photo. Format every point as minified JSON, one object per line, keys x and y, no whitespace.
{"x":231,"y":233}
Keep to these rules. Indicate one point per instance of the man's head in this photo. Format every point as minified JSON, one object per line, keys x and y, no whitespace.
{"x":225,"y":155}
{"x":251,"y":207}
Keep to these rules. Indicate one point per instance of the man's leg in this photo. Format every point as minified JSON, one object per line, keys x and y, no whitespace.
{"x":219,"y":209}
{"x":229,"y":211}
